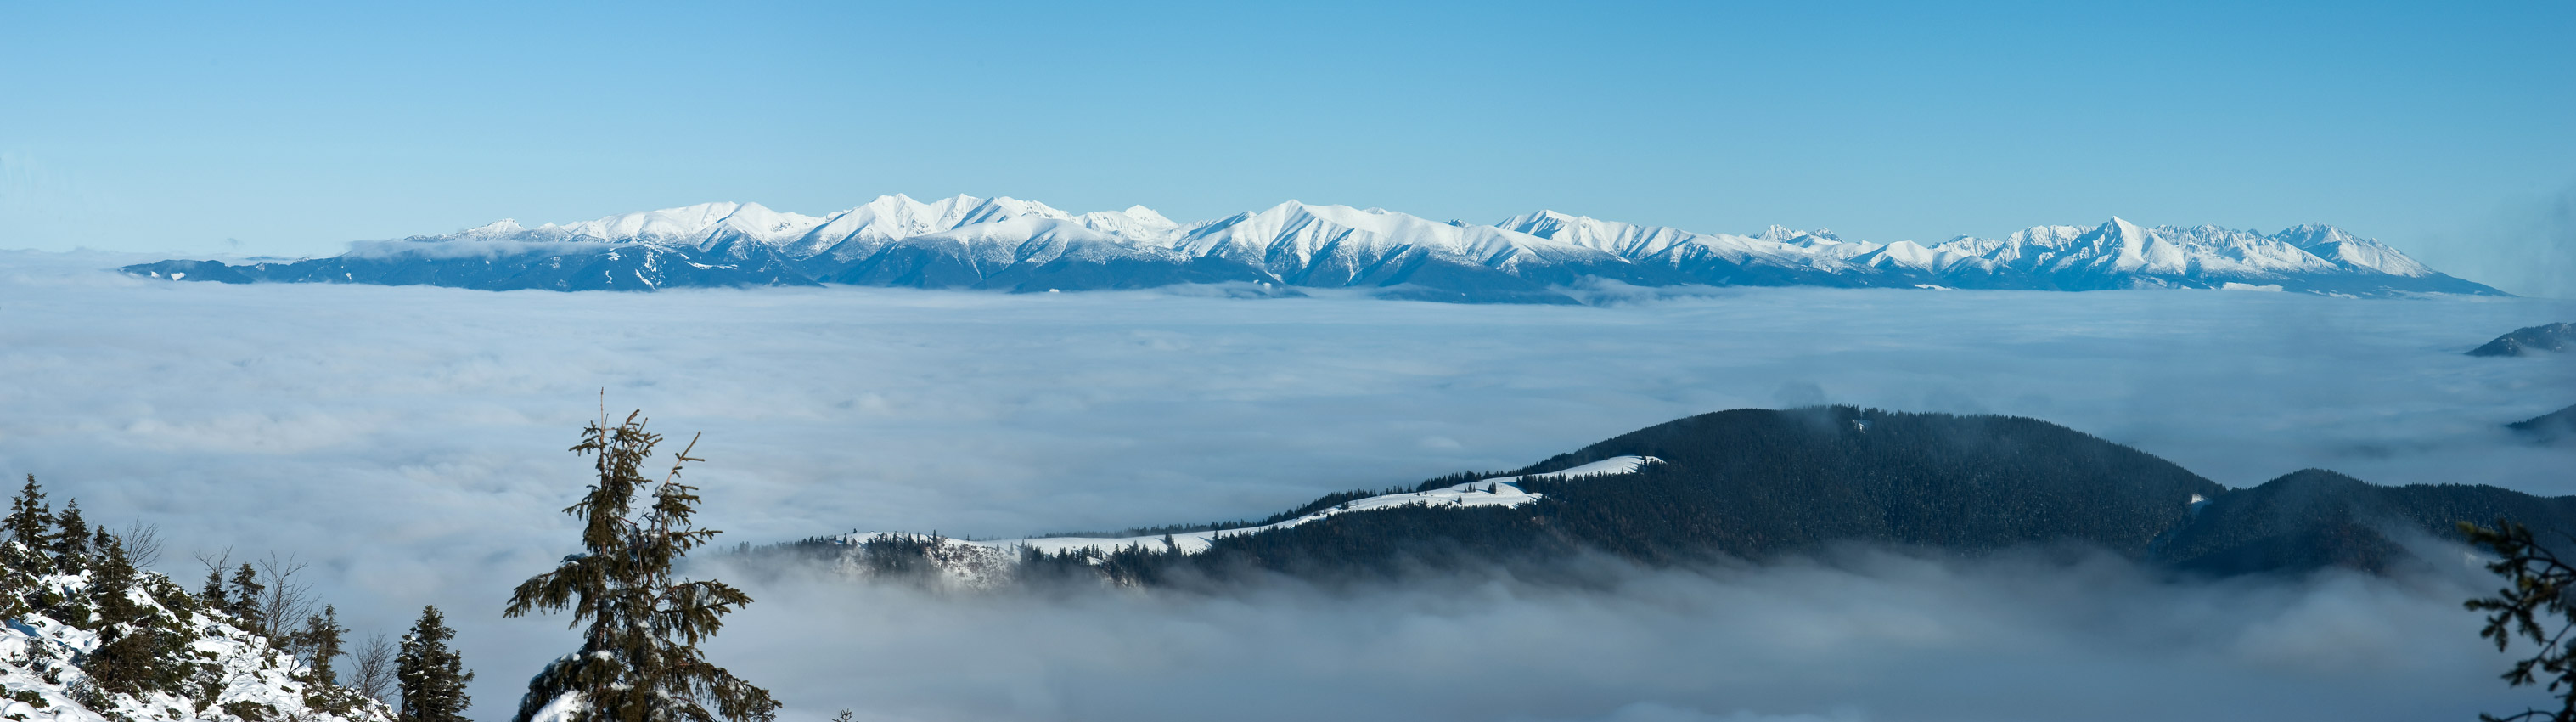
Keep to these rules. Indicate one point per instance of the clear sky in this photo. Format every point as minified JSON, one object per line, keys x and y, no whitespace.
{"x":2446,"y":129}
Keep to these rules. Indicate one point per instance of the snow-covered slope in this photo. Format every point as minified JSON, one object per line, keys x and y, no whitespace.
{"x":981,"y":562}
{"x":1013,"y":244}
{"x":50,"y":657}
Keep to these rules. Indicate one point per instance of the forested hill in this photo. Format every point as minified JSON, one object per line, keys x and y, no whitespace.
{"x":2316,"y":518}
{"x":2556,"y":427}
{"x":1755,"y":484}
{"x":2531,"y":341}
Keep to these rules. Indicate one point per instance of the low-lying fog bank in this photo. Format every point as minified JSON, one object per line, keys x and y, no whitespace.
{"x":1864,"y":635}
{"x":410,"y":441}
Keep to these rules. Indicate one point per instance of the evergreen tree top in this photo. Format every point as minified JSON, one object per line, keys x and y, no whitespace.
{"x":29,"y":516}
{"x":639,"y":660}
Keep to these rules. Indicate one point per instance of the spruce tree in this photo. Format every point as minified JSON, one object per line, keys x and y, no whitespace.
{"x":112,"y":582}
{"x":71,"y":538}
{"x":24,"y":554}
{"x":321,"y":639}
{"x":213,"y":594}
{"x":29,"y":517}
{"x":431,"y":676}
{"x":133,"y":655}
{"x":247,"y":592}
{"x":639,"y":660}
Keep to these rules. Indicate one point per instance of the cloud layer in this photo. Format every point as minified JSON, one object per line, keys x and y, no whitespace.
{"x":411,"y":441}
{"x":1862,"y":636}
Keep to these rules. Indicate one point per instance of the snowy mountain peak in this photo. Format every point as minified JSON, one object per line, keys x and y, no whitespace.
{"x":2121,"y":228}
{"x":1148,"y":215}
{"x":1784,"y":234}
{"x":1138,"y":223}
{"x":503,"y":227}
{"x":1002,"y":208}
{"x":2360,"y":254}
{"x":693,"y":224}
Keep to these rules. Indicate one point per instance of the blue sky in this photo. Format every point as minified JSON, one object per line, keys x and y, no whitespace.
{"x":292,"y":128}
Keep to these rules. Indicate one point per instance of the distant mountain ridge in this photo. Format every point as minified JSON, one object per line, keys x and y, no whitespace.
{"x":1756,"y":485}
{"x":2550,"y":428}
{"x":1025,"y":246}
{"x":2531,"y":341}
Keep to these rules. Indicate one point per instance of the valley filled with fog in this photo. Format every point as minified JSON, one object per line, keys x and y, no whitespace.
{"x":410,"y":442}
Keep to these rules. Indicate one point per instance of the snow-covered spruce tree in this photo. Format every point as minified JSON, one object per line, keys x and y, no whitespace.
{"x":432,"y":676}
{"x":247,"y":591}
{"x":22,"y":555}
{"x":639,"y":659}
{"x":29,"y":521}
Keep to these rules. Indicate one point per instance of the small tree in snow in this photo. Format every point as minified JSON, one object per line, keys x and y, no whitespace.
{"x":30,"y":524}
{"x":321,"y":642}
{"x":431,"y":675}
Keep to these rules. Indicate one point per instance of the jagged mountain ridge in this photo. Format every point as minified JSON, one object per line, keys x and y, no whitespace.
{"x":1026,"y":246}
{"x":1757,"y":484}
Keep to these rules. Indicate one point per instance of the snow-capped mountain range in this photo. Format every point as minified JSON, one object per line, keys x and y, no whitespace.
{"x":1026,"y":246}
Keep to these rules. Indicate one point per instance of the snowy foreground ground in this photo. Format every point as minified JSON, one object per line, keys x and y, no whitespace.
{"x":409,"y":441}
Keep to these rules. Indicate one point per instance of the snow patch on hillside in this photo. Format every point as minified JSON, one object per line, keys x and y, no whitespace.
{"x":976,"y":561}
{"x":38,"y":652}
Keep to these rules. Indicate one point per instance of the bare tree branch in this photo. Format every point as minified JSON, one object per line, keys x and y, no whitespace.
{"x":374,"y":675}
{"x":142,"y":542}
{"x":286,"y":602}
{"x":216,"y":562}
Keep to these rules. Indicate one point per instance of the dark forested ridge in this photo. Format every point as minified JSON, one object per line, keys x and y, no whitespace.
{"x":2556,"y":427}
{"x":1756,"y":484}
{"x":2317,"y":518}
{"x":2555,"y":337}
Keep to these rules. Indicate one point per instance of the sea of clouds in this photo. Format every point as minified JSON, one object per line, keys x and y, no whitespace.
{"x":410,"y":443}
